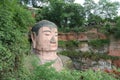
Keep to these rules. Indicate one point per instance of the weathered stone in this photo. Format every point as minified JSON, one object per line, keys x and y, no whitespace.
{"x":67,"y":62}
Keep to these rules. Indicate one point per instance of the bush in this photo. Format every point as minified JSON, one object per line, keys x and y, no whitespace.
{"x":45,"y":72}
{"x":98,"y":43}
{"x":71,"y":45}
{"x":14,"y":23}
{"x":71,"y":75}
{"x":62,"y":44}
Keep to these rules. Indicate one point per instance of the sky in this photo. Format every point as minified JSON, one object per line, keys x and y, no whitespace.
{"x":82,"y":1}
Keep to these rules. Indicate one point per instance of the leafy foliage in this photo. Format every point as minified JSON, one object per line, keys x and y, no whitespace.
{"x":71,"y":45}
{"x":63,"y":14}
{"x":99,"y":43}
{"x":14,"y":23}
{"x":117,"y":30}
{"x":42,"y":74}
{"x":46,"y":72}
{"x":108,"y":9}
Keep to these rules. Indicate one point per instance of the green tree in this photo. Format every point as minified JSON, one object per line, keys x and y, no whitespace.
{"x":89,"y":6}
{"x":108,"y":9}
{"x":14,"y":23}
{"x":63,"y":14}
{"x":104,"y":9}
{"x":94,"y":19}
{"x":117,"y":28}
{"x":73,"y":15}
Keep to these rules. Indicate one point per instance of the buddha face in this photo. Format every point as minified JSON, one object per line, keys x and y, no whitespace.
{"x":47,"y":39}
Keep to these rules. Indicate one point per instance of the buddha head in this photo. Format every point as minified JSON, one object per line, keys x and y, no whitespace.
{"x":44,"y":36}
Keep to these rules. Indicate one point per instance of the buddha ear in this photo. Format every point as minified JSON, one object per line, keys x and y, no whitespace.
{"x":33,"y":37}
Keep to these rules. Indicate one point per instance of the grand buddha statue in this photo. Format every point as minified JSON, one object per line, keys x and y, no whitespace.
{"x":44,"y":37}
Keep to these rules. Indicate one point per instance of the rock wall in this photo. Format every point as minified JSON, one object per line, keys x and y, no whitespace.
{"x":113,"y":49}
{"x":83,"y":36}
{"x":83,"y":64}
{"x":72,"y":36}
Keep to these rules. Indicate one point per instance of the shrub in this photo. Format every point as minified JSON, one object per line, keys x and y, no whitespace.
{"x":14,"y":23}
{"x":45,"y":72}
{"x":62,"y":44}
{"x":98,"y":43}
{"x":72,"y":44}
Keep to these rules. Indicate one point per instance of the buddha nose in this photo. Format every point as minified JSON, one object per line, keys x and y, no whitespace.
{"x":52,"y":40}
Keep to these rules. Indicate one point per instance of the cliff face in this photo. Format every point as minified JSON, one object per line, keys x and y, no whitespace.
{"x":114,"y":47}
{"x":84,"y":37}
{"x":72,"y":36}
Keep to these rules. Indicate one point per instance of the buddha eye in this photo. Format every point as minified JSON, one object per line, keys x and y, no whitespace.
{"x":47,"y":34}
